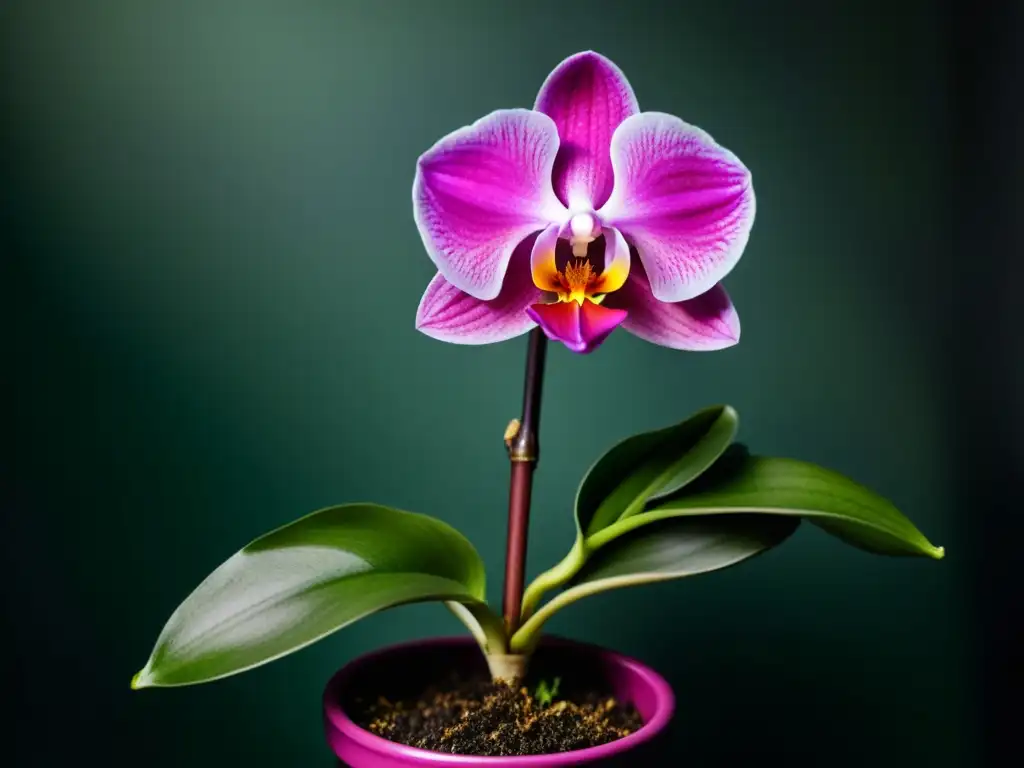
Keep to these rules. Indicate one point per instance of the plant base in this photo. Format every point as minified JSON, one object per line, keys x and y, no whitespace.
{"x":507,"y":667}
{"x":384,"y":690}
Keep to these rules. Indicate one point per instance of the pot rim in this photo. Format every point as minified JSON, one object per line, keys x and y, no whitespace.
{"x":340,"y":721}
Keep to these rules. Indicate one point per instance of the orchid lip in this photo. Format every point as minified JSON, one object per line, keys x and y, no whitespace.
{"x":581,"y":326}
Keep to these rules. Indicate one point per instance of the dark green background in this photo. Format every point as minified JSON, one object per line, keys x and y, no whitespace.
{"x":212,"y":271}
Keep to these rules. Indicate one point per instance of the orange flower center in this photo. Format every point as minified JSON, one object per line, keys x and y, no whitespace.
{"x":576,"y":281}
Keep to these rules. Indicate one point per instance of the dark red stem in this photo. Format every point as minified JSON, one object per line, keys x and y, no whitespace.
{"x":523,"y":452}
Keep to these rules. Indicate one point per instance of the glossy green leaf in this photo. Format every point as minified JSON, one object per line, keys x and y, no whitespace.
{"x":641,"y":468}
{"x":669,"y":548}
{"x":682,"y":546}
{"x":651,"y":465}
{"x":301,"y":582}
{"x":740,"y":483}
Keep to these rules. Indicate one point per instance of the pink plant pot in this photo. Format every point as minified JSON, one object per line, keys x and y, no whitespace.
{"x":417,"y":664}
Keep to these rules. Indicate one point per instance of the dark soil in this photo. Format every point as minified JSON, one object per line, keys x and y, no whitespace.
{"x":488,"y":719}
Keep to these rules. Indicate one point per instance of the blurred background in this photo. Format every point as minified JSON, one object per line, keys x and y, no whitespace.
{"x":211,"y":272}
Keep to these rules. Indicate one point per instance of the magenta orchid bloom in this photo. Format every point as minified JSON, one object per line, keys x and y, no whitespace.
{"x":530,"y":216}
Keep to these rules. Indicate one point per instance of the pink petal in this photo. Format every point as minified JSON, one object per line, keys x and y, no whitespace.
{"x":448,"y":314}
{"x":685,"y":202}
{"x":702,"y":324}
{"x":580,"y":328}
{"x":588,"y":97}
{"x":480,"y":191}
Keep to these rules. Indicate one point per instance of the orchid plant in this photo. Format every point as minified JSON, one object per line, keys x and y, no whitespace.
{"x":563,"y":222}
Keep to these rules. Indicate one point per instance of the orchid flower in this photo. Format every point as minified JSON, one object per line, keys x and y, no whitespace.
{"x":532,"y":218}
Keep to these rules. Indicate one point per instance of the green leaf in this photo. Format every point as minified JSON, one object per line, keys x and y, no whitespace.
{"x":644,"y":467}
{"x":738,"y":508}
{"x":301,"y":582}
{"x":669,"y":548}
{"x":775,"y":486}
{"x":651,"y":465}
{"x":674,"y":547}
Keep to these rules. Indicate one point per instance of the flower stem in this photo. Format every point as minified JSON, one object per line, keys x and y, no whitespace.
{"x":523,"y":451}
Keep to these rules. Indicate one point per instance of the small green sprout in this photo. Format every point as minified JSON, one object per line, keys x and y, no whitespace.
{"x":545,"y":694}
